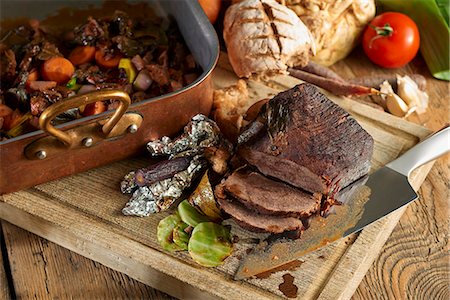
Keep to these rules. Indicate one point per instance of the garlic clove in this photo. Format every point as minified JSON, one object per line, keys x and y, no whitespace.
{"x":396,"y":105}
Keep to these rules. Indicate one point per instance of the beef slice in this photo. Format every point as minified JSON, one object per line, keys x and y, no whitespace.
{"x":256,"y":222}
{"x":267,"y":196}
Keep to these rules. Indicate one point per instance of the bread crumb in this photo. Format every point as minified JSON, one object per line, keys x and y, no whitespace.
{"x":229,"y":106}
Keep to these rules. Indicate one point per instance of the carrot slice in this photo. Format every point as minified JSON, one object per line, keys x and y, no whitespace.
{"x":10,"y":118}
{"x":5,"y":110}
{"x":81,"y":55}
{"x":33,"y":75}
{"x":57,"y":69}
{"x":107,"y":61}
{"x":93,"y":108}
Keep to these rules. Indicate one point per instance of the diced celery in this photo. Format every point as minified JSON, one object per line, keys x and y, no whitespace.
{"x":433,"y":28}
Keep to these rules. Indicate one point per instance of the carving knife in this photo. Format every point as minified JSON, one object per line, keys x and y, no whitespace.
{"x":383,"y":192}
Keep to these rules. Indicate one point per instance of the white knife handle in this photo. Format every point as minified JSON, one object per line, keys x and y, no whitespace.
{"x":433,"y":147}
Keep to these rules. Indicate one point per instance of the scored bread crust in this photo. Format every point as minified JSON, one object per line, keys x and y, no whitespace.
{"x":264,"y":38}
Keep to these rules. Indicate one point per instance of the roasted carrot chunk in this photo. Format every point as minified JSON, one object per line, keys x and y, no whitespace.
{"x":107,"y":60}
{"x":94,"y":108}
{"x":57,"y":69}
{"x":82,"y":55}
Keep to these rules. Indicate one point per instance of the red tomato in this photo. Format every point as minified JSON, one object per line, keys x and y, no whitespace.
{"x":211,"y":9}
{"x":391,"y":40}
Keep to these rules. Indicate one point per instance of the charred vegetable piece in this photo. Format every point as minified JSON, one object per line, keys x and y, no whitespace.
{"x":320,"y":70}
{"x":160,"y":171}
{"x":190,"y":214}
{"x":180,"y":236}
{"x":210,"y":244}
{"x":203,"y":198}
{"x":336,"y":87}
{"x":127,"y":65}
{"x":164,"y":232}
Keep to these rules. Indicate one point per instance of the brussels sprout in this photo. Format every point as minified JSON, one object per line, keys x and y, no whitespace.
{"x":190,"y":214}
{"x":210,"y":244}
{"x":180,"y":236}
{"x":164,"y":232}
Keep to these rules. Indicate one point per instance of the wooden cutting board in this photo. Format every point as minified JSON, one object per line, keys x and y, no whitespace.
{"x":83,"y":213}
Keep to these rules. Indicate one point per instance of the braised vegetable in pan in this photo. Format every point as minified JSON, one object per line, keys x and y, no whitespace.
{"x":41,"y":66}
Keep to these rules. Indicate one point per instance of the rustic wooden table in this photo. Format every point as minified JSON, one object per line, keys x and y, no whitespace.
{"x":414,"y":262}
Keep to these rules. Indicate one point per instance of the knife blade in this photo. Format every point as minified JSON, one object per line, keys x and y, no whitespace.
{"x":364,"y":202}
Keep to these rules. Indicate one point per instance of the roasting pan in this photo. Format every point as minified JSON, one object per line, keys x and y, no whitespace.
{"x":93,"y":141}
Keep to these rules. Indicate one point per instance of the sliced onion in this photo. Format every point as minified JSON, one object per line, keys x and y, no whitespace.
{"x":86,"y":88}
{"x":142,"y":81}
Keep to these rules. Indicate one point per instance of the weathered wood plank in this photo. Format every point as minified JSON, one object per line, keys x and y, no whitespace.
{"x":5,"y":293}
{"x":36,"y":265}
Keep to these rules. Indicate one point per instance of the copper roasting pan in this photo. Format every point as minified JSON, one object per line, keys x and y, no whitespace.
{"x":93,"y":141}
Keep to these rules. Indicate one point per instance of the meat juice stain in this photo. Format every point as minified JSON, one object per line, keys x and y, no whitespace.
{"x":287,"y":287}
{"x":321,"y":232}
{"x":290,"y":266}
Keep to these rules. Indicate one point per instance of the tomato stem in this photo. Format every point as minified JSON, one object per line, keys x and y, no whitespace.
{"x":384,"y":31}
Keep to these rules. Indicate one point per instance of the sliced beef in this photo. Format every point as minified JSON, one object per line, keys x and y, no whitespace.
{"x":258,"y":222}
{"x":309,"y":142}
{"x":267,"y":196}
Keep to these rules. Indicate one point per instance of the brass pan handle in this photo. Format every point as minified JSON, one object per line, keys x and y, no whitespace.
{"x":76,"y":101}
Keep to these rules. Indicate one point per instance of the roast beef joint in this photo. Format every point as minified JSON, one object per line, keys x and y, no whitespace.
{"x":298,"y":153}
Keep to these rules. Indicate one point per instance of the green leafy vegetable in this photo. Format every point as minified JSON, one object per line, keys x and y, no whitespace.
{"x":444,"y":6}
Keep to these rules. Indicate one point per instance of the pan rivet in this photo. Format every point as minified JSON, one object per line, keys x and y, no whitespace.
{"x":87,"y":142}
{"x":132,"y":128}
{"x":41,"y":154}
